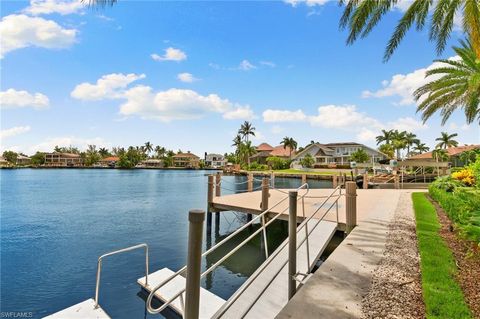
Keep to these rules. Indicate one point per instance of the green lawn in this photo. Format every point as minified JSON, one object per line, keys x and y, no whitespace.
{"x":297,"y":171}
{"x":441,"y":293}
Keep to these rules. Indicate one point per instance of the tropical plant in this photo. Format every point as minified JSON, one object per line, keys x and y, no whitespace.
{"x":420,"y":147}
{"x":290,"y":143}
{"x":388,"y":150}
{"x":360,"y":17}
{"x":148,"y":147}
{"x":160,"y":151}
{"x":246,"y":151}
{"x":440,"y":155}
{"x":10,"y":156}
{"x":307,"y":161}
{"x":278,"y":163}
{"x":446,"y":140}
{"x":91,"y":156}
{"x":386,"y":137}
{"x":246,"y":129}
{"x":38,"y":158}
{"x":103,"y":152}
{"x":465,"y":176}
{"x":410,"y":140}
{"x":359,"y":156}
{"x":398,"y":141}
{"x":469,"y":156}
{"x":457,"y":88}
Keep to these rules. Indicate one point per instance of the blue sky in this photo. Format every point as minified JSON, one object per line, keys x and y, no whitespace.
{"x":185,"y":75}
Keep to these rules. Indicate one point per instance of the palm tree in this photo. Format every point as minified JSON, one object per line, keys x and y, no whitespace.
{"x":457,"y":88}
{"x":398,"y":141}
{"x":440,"y":155}
{"x":148,"y":147}
{"x":246,"y":151}
{"x":246,"y":129}
{"x":410,"y":139}
{"x":290,"y":143}
{"x":360,"y":17}
{"x":420,"y":147}
{"x":446,"y":140}
{"x":103,"y":152}
{"x":385,"y":137}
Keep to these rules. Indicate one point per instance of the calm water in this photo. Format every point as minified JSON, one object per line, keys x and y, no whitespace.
{"x":55,"y":224}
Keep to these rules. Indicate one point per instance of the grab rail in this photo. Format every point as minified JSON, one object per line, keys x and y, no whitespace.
{"x":99,"y":266}
{"x":231,"y":252}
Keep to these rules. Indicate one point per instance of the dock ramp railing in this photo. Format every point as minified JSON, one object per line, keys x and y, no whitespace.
{"x":264,"y":225}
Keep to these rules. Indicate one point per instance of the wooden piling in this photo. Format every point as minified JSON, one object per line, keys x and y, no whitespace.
{"x":218,"y":184}
{"x":194,"y":263}
{"x":209,"y":202}
{"x":304,"y":179}
{"x":365,"y":181}
{"x":250,"y":182}
{"x":292,"y":243}
{"x":351,"y":206}
{"x":335,"y":181}
{"x":265,"y":194}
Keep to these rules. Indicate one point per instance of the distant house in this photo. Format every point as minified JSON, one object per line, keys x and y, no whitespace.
{"x":265,"y":151}
{"x":4,"y":162}
{"x":336,"y":153}
{"x":453,"y":154}
{"x":153,"y":163}
{"x":23,"y":160}
{"x":215,"y":161}
{"x":109,"y":161}
{"x":186,"y":160}
{"x":57,"y":159}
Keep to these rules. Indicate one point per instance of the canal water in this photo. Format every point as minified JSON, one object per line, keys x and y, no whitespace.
{"x":55,"y":223}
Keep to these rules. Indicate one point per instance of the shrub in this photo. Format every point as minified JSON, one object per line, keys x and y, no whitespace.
{"x":307,"y":161}
{"x":254,"y":166}
{"x":465,"y":176}
{"x":278,"y":163}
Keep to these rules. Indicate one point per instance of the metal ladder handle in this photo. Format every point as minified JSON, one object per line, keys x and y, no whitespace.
{"x":99,"y":265}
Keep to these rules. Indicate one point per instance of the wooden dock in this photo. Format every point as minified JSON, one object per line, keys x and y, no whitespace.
{"x":83,"y":310}
{"x":209,"y":302}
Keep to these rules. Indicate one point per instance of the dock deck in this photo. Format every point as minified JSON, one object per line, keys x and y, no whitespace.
{"x":83,"y":310}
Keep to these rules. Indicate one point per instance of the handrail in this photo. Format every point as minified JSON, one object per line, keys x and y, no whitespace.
{"x":99,"y":265}
{"x":179,"y":272}
{"x":249,"y":281}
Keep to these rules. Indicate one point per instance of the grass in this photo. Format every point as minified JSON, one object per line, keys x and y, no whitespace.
{"x":298,"y":171}
{"x":441,"y":293}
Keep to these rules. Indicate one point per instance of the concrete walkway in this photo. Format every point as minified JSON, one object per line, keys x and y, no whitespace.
{"x":336,"y":289}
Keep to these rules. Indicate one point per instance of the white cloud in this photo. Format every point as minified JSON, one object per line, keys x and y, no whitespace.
{"x":172,"y":104}
{"x":258,"y":137}
{"x":171,"y":54}
{"x":403,"y":85}
{"x":270,"y":115}
{"x":38,"y":7}
{"x":245,"y":65}
{"x":239,"y":113}
{"x":268,"y":63}
{"x":186,"y":77}
{"x":347,"y":116}
{"x":17,"y":130}
{"x":408,"y":124}
{"x":82,"y":143}
{"x":21,"y":31}
{"x":366,"y":135}
{"x":11,"y":99}
{"x":309,"y":3}
{"x":110,"y":86}
{"x":277,"y":129}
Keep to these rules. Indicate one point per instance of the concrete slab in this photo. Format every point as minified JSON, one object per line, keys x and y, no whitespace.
{"x":83,"y":310}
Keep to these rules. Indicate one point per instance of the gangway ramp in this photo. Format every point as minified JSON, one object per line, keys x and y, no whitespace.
{"x":265,"y":295}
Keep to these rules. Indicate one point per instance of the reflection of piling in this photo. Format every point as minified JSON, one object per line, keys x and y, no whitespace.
{"x":351,"y":206}
{"x":209,"y":203}
{"x":194,"y":263}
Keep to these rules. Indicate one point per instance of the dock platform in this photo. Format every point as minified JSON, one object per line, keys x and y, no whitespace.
{"x":83,"y":310}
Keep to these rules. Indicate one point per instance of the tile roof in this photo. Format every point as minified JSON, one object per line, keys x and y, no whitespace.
{"x":110,"y":159}
{"x":452,"y":151}
{"x":264,"y":147}
{"x":185,"y":155}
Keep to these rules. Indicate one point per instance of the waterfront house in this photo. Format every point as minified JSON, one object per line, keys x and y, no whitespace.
{"x":265,"y":151}
{"x":4,"y":162}
{"x":57,"y":159}
{"x":23,"y":160}
{"x":109,"y":161}
{"x":152,"y":163}
{"x":215,"y":161}
{"x":186,"y":160}
{"x":332,"y":154}
{"x":453,"y":155}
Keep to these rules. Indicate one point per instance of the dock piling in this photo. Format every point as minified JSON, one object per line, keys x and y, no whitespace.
{"x":209,"y":203}
{"x":304,"y":178}
{"x":218,"y":184}
{"x":292,"y":243}
{"x":351,"y":206}
{"x":194,"y":263}
{"x":365,"y":181}
{"x":335,"y":180}
{"x":265,"y":194}
{"x":250,"y":182}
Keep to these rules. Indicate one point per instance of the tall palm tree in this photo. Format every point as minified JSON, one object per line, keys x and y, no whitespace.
{"x":440,"y":155}
{"x":360,"y":17}
{"x":246,"y":129}
{"x":290,"y":143}
{"x":398,"y":141}
{"x":410,"y":139}
{"x":385,"y":137}
{"x":148,"y":147}
{"x":457,"y":88}
{"x":103,"y":152}
{"x":420,"y":148}
{"x":160,"y":151}
{"x":446,"y":140}
{"x":246,"y":151}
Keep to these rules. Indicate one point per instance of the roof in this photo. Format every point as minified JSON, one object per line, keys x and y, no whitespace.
{"x":185,"y":155}
{"x":22,"y":157}
{"x":71,"y":155}
{"x":264,"y":147}
{"x":281,"y":151}
{"x":452,"y":151}
{"x":110,"y":159}
{"x":153,"y":161}
{"x":323,"y":147}
{"x":344,"y":144}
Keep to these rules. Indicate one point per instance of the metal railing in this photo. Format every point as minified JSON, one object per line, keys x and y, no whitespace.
{"x":99,"y":266}
{"x":250,"y":280}
{"x":264,"y":225}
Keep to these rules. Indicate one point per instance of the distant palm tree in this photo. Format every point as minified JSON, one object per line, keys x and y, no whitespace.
{"x":290,"y":143}
{"x":398,"y":141}
{"x":160,"y":151}
{"x":246,"y":129}
{"x":385,"y":137}
{"x":360,"y":17}
{"x":410,"y":139}
{"x":103,"y":152}
{"x":420,"y":148}
{"x":446,"y":140}
{"x":148,"y":147}
{"x":246,"y":151}
{"x":457,"y":88}
{"x":440,"y":155}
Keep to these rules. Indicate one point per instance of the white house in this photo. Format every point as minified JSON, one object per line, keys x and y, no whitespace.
{"x":336,"y":153}
{"x":215,"y":160}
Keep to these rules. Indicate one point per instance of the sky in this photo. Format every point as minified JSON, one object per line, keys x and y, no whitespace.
{"x":185,"y":75}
